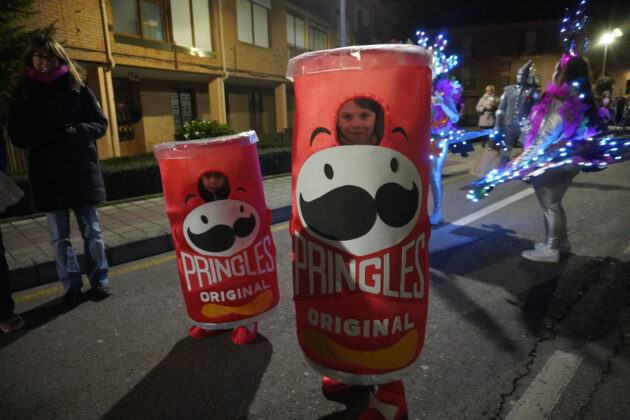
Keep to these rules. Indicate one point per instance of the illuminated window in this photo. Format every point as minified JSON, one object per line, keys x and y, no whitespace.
{"x":191,"y":23}
{"x":143,"y":18}
{"x":253,"y":21}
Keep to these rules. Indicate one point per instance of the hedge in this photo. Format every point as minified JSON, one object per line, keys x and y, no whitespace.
{"x":139,"y":175}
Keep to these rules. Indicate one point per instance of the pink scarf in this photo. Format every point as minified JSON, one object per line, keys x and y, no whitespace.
{"x":47,"y":77}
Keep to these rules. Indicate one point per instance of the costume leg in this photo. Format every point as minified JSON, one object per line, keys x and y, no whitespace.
{"x":550,"y":188}
{"x":512,"y":134}
{"x":436,"y":184}
{"x":94,"y":246}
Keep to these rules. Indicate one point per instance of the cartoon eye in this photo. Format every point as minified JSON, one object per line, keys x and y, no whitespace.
{"x":204,"y":219}
{"x":394,"y":164}
{"x":328,"y":171}
{"x":242,"y":209}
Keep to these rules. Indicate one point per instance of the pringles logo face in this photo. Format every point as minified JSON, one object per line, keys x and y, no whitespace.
{"x":221,"y":228}
{"x":361,"y":199}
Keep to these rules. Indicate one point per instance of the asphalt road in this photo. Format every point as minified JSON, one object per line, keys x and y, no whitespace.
{"x":506,"y":337}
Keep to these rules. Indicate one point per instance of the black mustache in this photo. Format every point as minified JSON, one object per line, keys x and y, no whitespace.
{"x":222,"y":237}
{"x":349,"y":212}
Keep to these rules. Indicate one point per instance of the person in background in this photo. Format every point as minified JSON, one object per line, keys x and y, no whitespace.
{"x":515,"y":105}
{"x":56,"y":117}
{"x":486,"y":107}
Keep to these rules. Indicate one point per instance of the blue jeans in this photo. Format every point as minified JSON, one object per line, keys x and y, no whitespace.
{"x":66,"y":263}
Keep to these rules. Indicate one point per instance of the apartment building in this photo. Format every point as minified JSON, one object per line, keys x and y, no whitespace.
{"x":492,"y":55}
{"x":155,"y":64}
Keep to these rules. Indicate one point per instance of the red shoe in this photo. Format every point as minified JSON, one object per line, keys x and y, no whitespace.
{"x":198,"y":332}
{"x":389,"y":403}
{"x":338,"y":391}
{"x":244,"y":335}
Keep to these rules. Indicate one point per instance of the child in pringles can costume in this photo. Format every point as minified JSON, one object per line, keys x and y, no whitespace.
{"x":359,"y":223}
{"x":220,"y":225}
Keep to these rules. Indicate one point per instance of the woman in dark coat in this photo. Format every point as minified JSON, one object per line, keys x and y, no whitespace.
{"x":57,"y":118}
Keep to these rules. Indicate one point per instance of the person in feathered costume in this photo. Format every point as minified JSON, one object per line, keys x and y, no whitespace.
{"x":559,"y":144}
{"x":446,"y":98}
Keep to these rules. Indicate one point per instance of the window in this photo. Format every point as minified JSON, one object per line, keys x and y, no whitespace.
{"x":468,"y":82}
{"x":124,"y":108}
{"x":295,"y":31}
{"x":530,"y":43}
{"x":468,"y":50}
{"x":253,"y":21}
{"x":141,"y":18}
{"x":183,"y":106}
{"x":317,"y":37}
{"x":362,"y":15}
{"x":191,"y":23}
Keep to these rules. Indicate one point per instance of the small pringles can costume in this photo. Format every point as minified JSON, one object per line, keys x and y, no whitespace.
{"x":225,"y":252}
{"x":359,"y":222}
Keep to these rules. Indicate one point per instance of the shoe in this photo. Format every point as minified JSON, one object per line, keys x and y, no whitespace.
{"x":564,"y":247}
{"x":101,"y":292}
{"x":11,"y":323}
{"x":541,"y":253}
{"x":198,"y":332}
{"x":244,"y":335}
{"x":436,"y":217}
{"x":340,"y":392}
{"x":72,"y":298}
{"x":389,"y":403}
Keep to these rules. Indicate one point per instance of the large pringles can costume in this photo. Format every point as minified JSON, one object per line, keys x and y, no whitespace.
{"x":225,"y":252}
{"x":359,"y":223}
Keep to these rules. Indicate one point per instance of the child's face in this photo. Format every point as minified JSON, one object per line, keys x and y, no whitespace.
{"x":356,"y":124}
{"x":213,"y":181}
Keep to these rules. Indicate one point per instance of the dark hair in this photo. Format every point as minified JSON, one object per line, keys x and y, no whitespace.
{"x":221,"y":194}
{"x":48,"y":43}
{"x":577,"y":70}
{"x":372,"y":105}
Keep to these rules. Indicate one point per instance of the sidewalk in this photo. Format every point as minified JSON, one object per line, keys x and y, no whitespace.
{"x":134,"y":229}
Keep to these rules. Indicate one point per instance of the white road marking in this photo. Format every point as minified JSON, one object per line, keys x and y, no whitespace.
{"x":544,"y":392}
{"x":492,"y":208}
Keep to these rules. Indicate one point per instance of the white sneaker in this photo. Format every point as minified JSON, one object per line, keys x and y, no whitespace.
{"x":542,"y":254}
{"x":564,"y":248}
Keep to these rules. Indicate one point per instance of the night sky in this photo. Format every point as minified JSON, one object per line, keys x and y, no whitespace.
{"x":444,"y":14}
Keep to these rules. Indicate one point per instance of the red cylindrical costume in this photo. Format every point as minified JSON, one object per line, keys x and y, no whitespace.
{"x":359,"y":221}
{"x":225,"y":252}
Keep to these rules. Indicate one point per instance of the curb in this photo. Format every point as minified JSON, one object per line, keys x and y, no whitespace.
{"x":43,"y":273}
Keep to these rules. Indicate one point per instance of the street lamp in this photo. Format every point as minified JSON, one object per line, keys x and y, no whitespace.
{"x":607,"y":39}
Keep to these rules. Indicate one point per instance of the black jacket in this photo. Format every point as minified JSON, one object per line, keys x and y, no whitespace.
{"x":59,"y":127}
